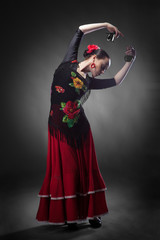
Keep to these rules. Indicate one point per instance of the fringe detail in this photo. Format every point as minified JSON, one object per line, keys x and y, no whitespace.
{"x":75,"y":141}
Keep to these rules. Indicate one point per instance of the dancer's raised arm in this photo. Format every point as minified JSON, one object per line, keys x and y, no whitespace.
{"x":120,"y":76}
{"x":87,"y":28}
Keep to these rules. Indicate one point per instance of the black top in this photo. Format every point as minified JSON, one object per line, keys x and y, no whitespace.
{"x":68,"y":91}
{"x":71,"y":55}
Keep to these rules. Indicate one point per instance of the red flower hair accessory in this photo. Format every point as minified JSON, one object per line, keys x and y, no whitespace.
{"x":91,"y":48}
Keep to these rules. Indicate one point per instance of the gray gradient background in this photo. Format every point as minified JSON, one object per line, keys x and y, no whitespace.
{"x":124,"y":119}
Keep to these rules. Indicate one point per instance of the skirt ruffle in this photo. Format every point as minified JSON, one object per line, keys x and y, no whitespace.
{"x":73,"y":188}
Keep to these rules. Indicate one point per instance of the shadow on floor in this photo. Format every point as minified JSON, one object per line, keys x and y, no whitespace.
{"x":48,"y":232}
{"x":85,"y":231}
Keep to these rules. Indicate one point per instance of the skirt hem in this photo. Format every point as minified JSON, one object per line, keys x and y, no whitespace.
{"x":74,"y":221}
{"x":71,"y":196}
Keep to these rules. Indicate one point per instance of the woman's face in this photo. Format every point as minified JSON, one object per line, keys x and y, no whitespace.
{"x":100,"y":66}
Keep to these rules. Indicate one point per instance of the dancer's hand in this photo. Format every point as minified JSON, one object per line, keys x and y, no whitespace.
{"x":131,"y":51}
{"x":112,"y":29}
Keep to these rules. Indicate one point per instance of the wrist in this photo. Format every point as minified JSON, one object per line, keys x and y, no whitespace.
{"x":128,"y":58}
{"x":106,"y":24}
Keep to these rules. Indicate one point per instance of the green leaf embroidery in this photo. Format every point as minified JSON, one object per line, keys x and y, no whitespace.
{"x":65,"y":118}
{"x":63,"y":104}
{"x":76,"y":119}
{"x":84,"y":88}
{"x":70,"y":123}
{"x":79,"y":103}
{"x":77,"y":90}
{"x":71,"y":84}
{"x":73,"y":74}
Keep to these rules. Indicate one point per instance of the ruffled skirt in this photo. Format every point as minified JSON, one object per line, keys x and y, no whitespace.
{"x":73,"y":189}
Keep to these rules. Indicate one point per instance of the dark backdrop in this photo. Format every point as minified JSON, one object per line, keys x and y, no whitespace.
{"x":124,"y":119}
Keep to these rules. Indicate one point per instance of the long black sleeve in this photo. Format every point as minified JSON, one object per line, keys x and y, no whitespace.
{"x":96,"y":83}
{"x":72,"y":51}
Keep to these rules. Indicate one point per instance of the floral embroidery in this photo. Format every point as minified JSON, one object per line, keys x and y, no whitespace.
{"x":77,"y":83}
{"x":71,"y":109}
{"x":59,"y":89}
{"x":74,"y":61}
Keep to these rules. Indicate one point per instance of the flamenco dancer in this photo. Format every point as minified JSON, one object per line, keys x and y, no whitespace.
{"x":73,"y":189}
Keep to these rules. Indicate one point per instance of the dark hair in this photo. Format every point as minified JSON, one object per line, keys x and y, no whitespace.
{"x":100,"y":53}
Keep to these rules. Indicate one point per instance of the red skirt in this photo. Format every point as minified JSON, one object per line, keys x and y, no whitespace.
{"x":73,"y":189}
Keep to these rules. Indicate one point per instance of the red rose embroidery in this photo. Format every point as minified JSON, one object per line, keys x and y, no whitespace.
{"x":92,"y":47}
{"x":71,"y":109}
{"x":59,"y":89}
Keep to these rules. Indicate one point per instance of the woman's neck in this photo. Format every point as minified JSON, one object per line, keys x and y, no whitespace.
{"x":84,"y":66}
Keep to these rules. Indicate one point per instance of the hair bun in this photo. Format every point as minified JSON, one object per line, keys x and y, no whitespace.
{"x":85,"y":54}
{"x":94,"y":49}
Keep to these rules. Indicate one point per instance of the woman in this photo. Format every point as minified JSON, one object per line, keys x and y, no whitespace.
{"x":73,"y":189}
